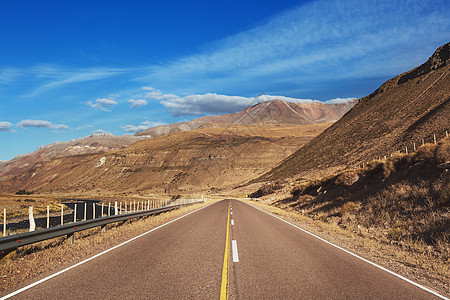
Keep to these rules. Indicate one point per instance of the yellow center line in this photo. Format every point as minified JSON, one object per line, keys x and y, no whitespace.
{"x":223,"y":289}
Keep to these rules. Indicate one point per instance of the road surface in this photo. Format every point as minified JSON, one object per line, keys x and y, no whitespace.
{"x":267,"y":259}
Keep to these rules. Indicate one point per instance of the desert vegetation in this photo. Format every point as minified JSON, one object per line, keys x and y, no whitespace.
{"x":403,"y":200}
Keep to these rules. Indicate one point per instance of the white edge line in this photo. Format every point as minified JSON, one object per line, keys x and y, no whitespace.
{"x":235,"y":251}
{"x":353,"y":254}
{"x":232,"y":222}
{"x":95,"y":256}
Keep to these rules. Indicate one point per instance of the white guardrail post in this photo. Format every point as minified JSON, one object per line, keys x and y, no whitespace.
{"x":31,"y":217}
{"x":4,"y":222}
{"x":48,"y":216}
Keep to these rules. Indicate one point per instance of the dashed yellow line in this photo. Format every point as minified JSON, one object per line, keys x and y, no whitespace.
{"x":223,"y":288}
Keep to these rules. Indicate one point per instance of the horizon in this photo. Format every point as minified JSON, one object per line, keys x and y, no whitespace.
{"x":71,"y":70}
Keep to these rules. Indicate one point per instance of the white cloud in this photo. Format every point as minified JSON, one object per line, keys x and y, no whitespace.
{"x":144,"y":125}
{"x":40,"y":124}
{"x":157,"y":94}
{"x":101,"y":131}
{"x":137,"y":103}
{"x":6,"y":127}
{"x":211,"y":103}
{"x":104,"y":104}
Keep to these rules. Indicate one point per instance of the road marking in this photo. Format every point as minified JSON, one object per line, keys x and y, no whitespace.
{"x":232,"y":222}
{"x":359,"y":257}
{"x":95,"y":256}
{"x":223,"y":287}
{"x":231,"y":213}
{"x":235,"y":252}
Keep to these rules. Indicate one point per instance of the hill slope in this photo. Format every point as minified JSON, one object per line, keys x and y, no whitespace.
{"x":96,"y":143}
{"x":404,"y":110}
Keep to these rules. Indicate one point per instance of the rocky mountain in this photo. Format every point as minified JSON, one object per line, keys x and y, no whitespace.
{"x":96,"y":143}
{"x":275,"y":112}
{"x":405,"y":111}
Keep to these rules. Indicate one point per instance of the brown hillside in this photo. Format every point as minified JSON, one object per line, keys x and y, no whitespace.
{"x":275,"y":112}
{"x":203,"y":159}
{"x":404,"y":110}
{"x":96,"y":143}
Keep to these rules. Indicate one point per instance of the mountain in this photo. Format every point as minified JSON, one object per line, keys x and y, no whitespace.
{"x":198,"y":160}
{"x":96,"y":143}
{"x":275,"y":112}
{"x":406,"y":109}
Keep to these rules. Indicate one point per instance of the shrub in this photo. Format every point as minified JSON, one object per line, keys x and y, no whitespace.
{"x":444,"y":195}
{"x":348,"y":208}
{"x":443,"y":150}
{"x":347,"y":178}
{"x":395,"y":233}
{"x":24,"y":192}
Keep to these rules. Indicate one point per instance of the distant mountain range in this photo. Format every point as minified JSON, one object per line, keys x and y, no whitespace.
{"x":406,"y":109}
{"x":275,"y":112}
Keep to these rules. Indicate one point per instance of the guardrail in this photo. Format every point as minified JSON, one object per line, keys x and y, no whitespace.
{"x":12,"y":242}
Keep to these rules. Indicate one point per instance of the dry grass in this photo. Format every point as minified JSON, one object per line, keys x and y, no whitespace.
{"x":34,"y":261}
{"x":17,"y":205}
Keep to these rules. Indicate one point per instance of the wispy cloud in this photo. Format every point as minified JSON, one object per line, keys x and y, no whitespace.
{"x":137,"y":103}
{"x":144,"y":125}
{"x":46,"y":77}
{"x":6,"y":127}
{"x":61,"y":77}
{"x":40,"y":124}
{"x":104,"y":104}
{"x":321,"y":40}
{"x":9,"y":75}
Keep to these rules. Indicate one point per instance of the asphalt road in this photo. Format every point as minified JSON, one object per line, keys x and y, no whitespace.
{"x":184,"y":260}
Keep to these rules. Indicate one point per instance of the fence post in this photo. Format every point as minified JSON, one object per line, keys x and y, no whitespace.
{"x":116,"y":212}
{"x":48,"y":216}
{"x":101,"y":215}
{"x":414,"y":146}
{"x":93,"y":210}
{"x":75,"y":213}
{"x":62,"y":214}
{"x":423,"y":142}
{"x":30,"y":215}
{"x":406,"y":150}
{"x":85,"y":210}
{"x":434,"y":137}
{"x":120,"y":208}
{"x":446,"y":133}
{"x":4,"y":222}
{"x":109,"y":209}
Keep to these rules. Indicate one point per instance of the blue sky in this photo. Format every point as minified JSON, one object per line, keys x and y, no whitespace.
{"x":72,"y":68}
